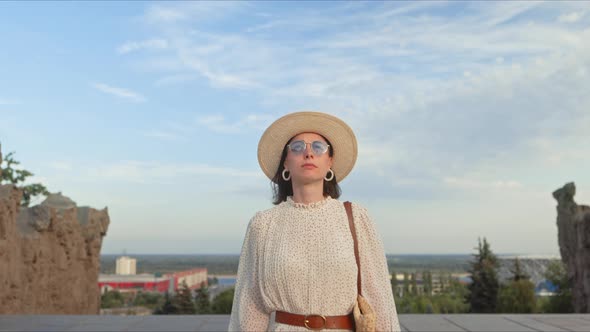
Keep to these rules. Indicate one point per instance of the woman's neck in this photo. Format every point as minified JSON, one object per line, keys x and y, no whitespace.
{"x":308,"y":193}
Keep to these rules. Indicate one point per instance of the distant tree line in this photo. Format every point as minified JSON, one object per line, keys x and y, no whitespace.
{"x":215,"y":264}
{"x":412,"y":263}
{"x":228,"y":264}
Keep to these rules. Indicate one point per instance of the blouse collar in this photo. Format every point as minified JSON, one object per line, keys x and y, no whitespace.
{"x":313,"y":205}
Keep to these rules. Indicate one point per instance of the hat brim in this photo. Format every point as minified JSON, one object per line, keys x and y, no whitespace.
{"x":277,"y":135}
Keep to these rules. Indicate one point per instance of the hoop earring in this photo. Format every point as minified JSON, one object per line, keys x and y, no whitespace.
{"x":284,"y":176}
{"x":331,"y":172}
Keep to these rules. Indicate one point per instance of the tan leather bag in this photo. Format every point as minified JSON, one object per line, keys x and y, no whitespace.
{"x":364,"y":315}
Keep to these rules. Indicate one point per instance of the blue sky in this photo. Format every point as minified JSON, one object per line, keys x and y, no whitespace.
{"x":468,"y":114}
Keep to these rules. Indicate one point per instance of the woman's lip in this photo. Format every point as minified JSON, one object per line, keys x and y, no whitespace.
{"x":309,"y":165}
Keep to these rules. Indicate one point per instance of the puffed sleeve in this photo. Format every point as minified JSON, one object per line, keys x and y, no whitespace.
{"x":248,"y":310}
{"x":376,"y":286}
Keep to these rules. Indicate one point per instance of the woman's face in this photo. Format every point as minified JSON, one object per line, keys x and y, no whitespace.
{"x":307,"y":167}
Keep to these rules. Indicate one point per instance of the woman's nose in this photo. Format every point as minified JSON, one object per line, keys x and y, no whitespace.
{"x":308,"y":152}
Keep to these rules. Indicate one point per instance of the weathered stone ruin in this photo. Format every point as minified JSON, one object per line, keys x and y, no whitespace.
{"x":49,"y":255}
{"x":573,"y":225}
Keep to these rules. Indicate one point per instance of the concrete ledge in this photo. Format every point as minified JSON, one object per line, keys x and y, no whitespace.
{"x":409,"y":322}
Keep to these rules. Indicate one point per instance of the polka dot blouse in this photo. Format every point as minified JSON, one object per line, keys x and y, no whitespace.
{"x":299,"y":258}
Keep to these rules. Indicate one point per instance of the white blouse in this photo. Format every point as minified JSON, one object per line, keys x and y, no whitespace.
{"x":299,"y":258}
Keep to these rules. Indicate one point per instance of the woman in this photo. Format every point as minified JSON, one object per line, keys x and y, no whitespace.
{"x":297,"y":268}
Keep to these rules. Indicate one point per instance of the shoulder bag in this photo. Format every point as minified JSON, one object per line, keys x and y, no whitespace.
{"x":364,"y":315}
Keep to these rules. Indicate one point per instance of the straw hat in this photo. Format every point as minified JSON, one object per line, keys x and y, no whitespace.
{"x":282,"y":130}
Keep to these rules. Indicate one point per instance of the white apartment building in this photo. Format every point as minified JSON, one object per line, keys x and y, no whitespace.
{"x":126,"y":265}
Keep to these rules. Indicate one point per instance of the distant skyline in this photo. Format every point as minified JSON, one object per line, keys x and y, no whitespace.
{"x":468,"y":114}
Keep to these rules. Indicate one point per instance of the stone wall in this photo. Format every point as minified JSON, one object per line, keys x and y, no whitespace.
{"x":49,"y":255}
{"x":573,"y":226}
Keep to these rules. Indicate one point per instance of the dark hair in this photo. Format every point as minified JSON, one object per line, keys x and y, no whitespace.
{"x":281,"y":189}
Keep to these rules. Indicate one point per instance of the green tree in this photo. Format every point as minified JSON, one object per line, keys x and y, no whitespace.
{"x":483,"y":290}
{"x":394,"y":282}
{"x":406,"y":285}
{"x":449,"y":304}
{"x":184,"y":300}
{"x":202,"y":302}
{"x":415,"y":304}
{"x":405,"y":304}
{"x":442,"y":280}
{"x":414,"y":283}
{"x":427,"y":282}
{"x":112,"y":299}
{"x":448,"y":281}
{"x":561,"y":302}
{"x":168,"y":308}
{"x":11,"y":175}
{"x":452,"y":300}
{"x":517,"y":272}
{"x":518,"y":295}
{"x":148,"y":299}
{"x":223,"y":302}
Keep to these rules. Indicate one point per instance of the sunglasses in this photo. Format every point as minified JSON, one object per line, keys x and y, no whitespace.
{"x":317,"y":147}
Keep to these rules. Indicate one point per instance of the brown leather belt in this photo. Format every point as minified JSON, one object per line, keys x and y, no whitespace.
{"x":316,"y":322}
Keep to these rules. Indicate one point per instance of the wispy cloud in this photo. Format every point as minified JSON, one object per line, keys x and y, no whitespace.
{"x":218,"y":76}
{"x":169,"y":136}
{"x":571,"y":17}
{"x":175,"y":79}
{"x":267,"y":26}
{"x":335,"y":58}
{"x":151,"y":44}
{"x":503,"y":12}
{"x":220,"y":124}
{"x":403,"y":9}
{"x":431,"y":97}
{"x":465,"y":183}
{"x":173,"y":131}
{"x":158,"y":13}
{"x":181,"y":12}
{"x":148,"y":172}
{"x":119,"y":92}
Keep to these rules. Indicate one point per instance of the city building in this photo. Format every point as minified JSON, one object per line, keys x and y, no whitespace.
{"x":543,"y":288}
{"x":126,"y":266}
{"x":146,"y":282}
{"x":439,"y":283}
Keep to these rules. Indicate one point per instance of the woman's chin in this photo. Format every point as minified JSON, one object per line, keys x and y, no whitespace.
{"x":306,"y":180}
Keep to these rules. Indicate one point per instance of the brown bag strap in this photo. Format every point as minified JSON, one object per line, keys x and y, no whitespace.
{"x":348,"y":208}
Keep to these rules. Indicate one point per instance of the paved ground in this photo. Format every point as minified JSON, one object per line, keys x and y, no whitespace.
{"x":458,"y":322}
